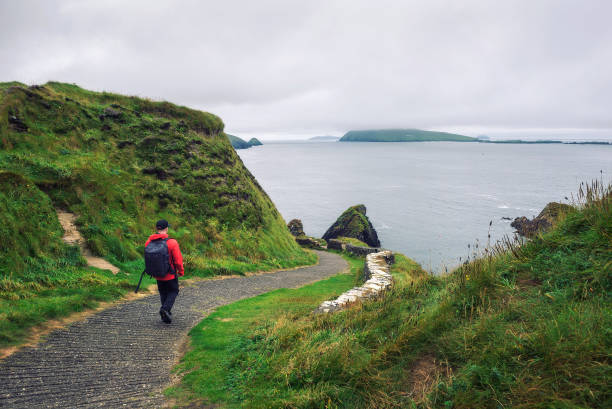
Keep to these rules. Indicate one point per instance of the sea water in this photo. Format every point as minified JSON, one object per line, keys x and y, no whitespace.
{"x":428,"y":200}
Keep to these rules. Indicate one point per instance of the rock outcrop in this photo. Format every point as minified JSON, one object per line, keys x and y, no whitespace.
{"x":112,"y":113}
{"x":16,"y":123}
{"x":310,"y":242}
{"x":542,"y":222}
{"x":378,"y":279}
{"x":334,"y":244}
{"x":296,"y":227}
{"x":354,"y":223}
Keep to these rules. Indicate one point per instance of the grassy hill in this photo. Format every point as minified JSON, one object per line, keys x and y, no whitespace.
{"x":402,"y":135}
{"x":119,"y":163}
{"x":521,"y":326}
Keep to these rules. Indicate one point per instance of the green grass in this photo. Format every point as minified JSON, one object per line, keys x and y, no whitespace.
{"x":119,"y":163}
{"x":353,"y":241}
{"x":525,"y":326}
{"x":25,"y":304}
{"x":208,"y":368}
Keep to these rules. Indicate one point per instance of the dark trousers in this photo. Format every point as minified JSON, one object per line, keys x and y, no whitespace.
{"x":168,"y":290}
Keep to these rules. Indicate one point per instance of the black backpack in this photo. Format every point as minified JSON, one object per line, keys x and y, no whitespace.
{"x":157,"y":258}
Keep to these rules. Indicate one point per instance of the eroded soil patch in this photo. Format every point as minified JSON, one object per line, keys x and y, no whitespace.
{"x":73,"y":237}
{"x":424,"y":375}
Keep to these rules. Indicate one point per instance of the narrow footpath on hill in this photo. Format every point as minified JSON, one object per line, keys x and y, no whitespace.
{"x":73,"y":237}
{"x":122,"y":356}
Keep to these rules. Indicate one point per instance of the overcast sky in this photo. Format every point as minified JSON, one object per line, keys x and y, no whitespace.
{"x":282,"y":69}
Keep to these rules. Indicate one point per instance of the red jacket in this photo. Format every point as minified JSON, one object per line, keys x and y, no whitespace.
{"x":176,"y":258}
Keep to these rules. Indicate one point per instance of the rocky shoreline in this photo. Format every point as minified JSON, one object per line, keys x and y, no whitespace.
{"x":352,"y":232}
{"x":543,"y":221}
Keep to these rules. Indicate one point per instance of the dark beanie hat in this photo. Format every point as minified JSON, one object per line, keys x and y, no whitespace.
{"x":161,"y":224}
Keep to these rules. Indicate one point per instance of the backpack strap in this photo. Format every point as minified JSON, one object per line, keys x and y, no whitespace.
{"x":172,"y":269}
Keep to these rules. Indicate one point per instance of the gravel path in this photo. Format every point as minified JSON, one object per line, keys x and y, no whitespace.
{"x":122,"y":356}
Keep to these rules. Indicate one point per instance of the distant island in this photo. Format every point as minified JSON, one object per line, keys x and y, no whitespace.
{"x":255,"y":142}
{"x":325,"y":138}
{"x":239,"y":143}
{"x":403,"y":135}
{"x":418,"y":135}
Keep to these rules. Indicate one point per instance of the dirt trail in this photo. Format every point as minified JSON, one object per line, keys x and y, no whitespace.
{"x":122,"y":356}
{"x":72,"y":236}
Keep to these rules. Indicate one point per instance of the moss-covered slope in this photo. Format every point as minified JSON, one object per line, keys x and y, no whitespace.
{"x":120,"y":163}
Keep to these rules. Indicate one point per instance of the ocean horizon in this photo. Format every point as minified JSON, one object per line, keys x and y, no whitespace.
{"x":432,"y":201}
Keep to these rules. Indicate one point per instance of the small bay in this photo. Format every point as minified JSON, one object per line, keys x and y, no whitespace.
{"x":428,"y":200}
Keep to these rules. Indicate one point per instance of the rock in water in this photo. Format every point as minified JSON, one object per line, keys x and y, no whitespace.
{"x":547,"y":217}
{"x":296,"y":228}
{"x":354,"y":223}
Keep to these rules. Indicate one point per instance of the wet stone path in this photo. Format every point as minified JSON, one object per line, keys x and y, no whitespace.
{"x":121,"y":357}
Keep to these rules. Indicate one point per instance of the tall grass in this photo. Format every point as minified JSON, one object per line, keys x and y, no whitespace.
{"x":210,"y":369}
{"x":523,"y":324}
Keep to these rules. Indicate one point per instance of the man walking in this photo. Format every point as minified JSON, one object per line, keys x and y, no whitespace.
{"x":163,"y":251}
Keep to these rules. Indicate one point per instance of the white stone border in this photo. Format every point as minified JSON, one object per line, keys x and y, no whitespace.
{"x":376,"y":272}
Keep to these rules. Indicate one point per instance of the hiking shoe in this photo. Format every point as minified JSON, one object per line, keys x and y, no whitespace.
{"x":165,"y":316}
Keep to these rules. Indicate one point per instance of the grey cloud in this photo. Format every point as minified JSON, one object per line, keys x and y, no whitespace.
{"x":273,"y":67}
